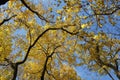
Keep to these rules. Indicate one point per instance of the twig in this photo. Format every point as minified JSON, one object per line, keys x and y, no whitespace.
{"x":40,"y":16}
{"x":5,"y":20}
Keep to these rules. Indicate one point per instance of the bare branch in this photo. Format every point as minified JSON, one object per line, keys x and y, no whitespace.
{"x":50,"y":74}
{"x":49,"y":29}
{"x":5,"y":20}
{"x":40,"y":16}
{"x":2,"y":2}
{"x":111,"y":11}
{"x":32,"y":45}
{"x":4,"y":64}
{"x":106,"y":71}
{"x":46,"y":61}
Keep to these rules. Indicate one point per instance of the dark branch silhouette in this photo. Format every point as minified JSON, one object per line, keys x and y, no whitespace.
{"x":32,"y":45}
{"x":2,"y":2}
{"x":46,"y":61}
{"x":35,"y":12}
{"x":101,"y":63}
{"x":108,"y":13}
{"x":5,"y":20}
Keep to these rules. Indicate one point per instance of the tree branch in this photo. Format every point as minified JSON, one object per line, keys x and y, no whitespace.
{"x":4,"y":64}
{"x":32,"y":45}
{"x":5,"y":20}
{"x":14,"y":66}
{"x":40,"y":16}
{"x":106,"y":71}
{"x":112,"y":11}
{"x":2,"y":2}
{"x":50,"y":74}
{"x":46,"y":61}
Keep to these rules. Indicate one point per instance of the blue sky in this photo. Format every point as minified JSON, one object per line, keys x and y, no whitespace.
{"x":83,"y":72}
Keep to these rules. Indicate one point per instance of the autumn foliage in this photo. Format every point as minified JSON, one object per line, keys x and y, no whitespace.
{"x":47,"y":40}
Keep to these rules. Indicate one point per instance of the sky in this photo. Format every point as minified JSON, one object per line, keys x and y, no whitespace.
{"x":83,"y":72}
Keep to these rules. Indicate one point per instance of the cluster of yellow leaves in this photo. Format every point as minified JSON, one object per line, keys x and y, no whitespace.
{"x":118,"y":13}
{"x":2,"y":78}
{"x":11,"y":3}
{"x":73,"y":6}
{"x":98,"y":48}
{"x":67,"y":72}
{"x":32,"y":70}
{"x":69,"y":20}
{"x":32,"y":67}
{"x":5,"y":43}
{"x":86,"y":25}
{"x":100,"y":3}
{"x":5,"y":74}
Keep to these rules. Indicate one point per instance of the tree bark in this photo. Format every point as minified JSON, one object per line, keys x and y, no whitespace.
{"x":15,"y":72}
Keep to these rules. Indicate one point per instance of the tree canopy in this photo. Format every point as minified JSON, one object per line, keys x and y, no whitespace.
{"x":47,"y":40}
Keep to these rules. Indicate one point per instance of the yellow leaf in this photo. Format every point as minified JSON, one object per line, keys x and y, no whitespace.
{"x":1,"y":49}
{"x":10,"y":4}
{"x":83,"y":26}
{"x":96,"y":37}
{"x":118,"y":13}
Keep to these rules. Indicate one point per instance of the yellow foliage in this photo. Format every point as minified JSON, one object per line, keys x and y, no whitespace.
{"x":84,"y":26}
{"x":11,"y":3}
{"x":118,"y":12}
{"x":96,"y":37}
{"x":2,"y":78}
{"x":32,"y":67}
{"x":69,"y":16}
{"x":5,"y":44}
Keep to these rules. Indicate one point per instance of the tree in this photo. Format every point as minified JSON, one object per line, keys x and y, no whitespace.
{"x":56,"y":38}
{"x":3,"y":2}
